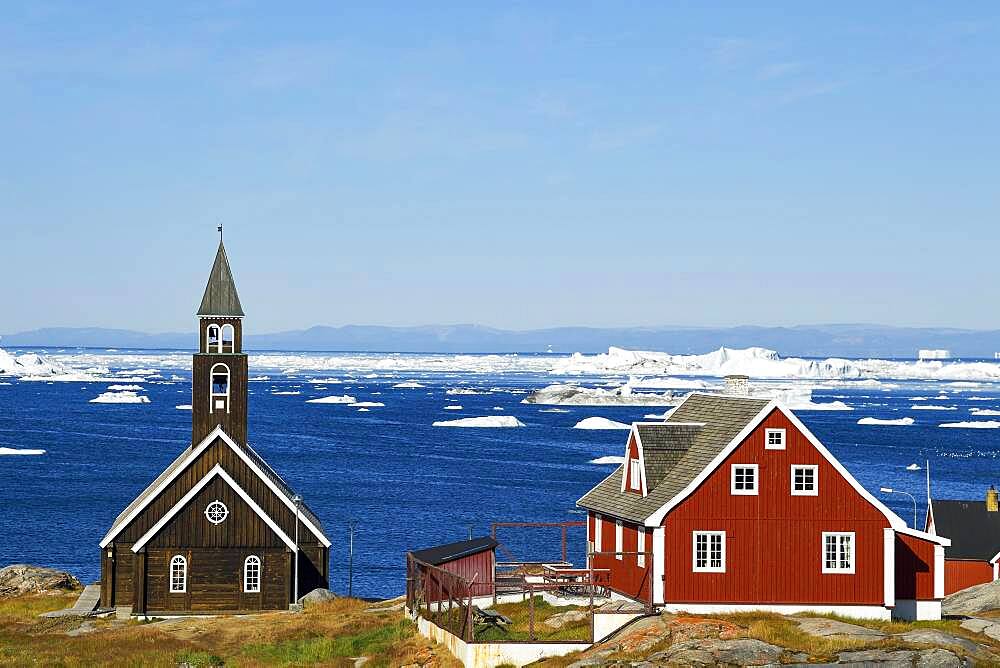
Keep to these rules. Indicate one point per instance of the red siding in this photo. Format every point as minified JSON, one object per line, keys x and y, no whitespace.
{"x":633,"y":453}
{"x":774,"y":539}
{"x":476,"y":568}
{"x":914,"y":568}
{"x":627,"y":577}
{"x":961,"y":573}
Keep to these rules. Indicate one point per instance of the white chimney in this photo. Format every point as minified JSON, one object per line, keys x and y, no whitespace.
{"x":737,"y":385}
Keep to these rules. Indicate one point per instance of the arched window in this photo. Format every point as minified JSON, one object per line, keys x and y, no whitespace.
{"x":178,"y":575}
{"x":228,"y":337}
{"x":220,"y":388}
{"x":251,"y":575}
{"x":212,"y":339}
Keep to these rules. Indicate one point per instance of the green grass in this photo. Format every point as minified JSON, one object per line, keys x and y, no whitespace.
{"x":199,"y":659}
{"x":519,"y":613}
{"x":318,"y":649}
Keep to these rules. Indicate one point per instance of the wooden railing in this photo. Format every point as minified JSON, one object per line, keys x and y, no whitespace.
{"x":440,"y":596}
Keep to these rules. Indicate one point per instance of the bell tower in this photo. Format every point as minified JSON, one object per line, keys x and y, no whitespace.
{"x":219,"y":372}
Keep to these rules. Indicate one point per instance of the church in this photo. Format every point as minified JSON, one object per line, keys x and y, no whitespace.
{"x":218,"y":530}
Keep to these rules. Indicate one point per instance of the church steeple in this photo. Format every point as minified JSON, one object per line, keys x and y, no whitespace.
{"x":219,"y":371}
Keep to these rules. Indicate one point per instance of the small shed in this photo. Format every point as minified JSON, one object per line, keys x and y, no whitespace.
{"x":472,"y":560}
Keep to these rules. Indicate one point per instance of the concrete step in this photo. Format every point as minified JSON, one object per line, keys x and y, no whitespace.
{"x":89,"y":599}
{"x":123,"y":611}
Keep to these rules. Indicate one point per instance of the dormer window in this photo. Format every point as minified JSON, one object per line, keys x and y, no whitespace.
{"x":212,"y":339}
{"x":228,"y":336}
{"x":774,"y":439}
{"x":220,"y":388}
{"x":635,"y":475}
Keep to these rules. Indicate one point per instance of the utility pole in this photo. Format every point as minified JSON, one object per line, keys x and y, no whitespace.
{"x":352,"y":527}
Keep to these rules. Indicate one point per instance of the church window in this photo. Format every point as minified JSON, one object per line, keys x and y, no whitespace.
{"x":251,"y":575}
{"x":216,"y":512}
{"x":178,"y":575}
{"x":212,"y":339}
{"x":220,"y":387}
{"x":228,"y":335}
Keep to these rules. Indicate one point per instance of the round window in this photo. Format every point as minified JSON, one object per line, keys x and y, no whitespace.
{"x":216,"y":512}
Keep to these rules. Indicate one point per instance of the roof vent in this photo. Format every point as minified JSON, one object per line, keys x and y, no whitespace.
{"x":992,"y":500}
{"x":737,"y":385}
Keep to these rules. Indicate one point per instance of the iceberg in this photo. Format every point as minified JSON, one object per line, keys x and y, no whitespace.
{"x":120,"y":398}
{"x":573,"y":395}
{"x":21,"y":451}
{"x":286,"y":393}
{"x":363,"y":410}
{"x":600,"y":423}
{"x":900,"y":422}
{"x":914,"y":467}
{"x":984,"y":411}
{"x":657,"y":416}
{"x":980,"y":424}
{"x":608,"y":460}
{"x":345,"y":399}
{"x":488,"y":421}
{"x":408,"y":385}
{"x":183,"y":407}
{"x":453,"y":408}
{"x":125,"y":388}
{"x":464,"y":390}
{"x":498,"y":408}
{"x":28,"y":364}
{"x":368,"y":404}
{"x":932,"y":407}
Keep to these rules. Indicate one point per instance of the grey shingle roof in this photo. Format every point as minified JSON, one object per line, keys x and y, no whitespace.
{"x":220,"y":293}
{"x":974,"y":531}
{"x":682,"y":454}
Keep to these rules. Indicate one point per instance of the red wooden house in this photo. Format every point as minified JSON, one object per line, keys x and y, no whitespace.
{"x":974,"y":530}
{"x":733,"y":504}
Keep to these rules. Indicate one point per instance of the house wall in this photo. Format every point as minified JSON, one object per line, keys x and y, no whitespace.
{"x":633,"y":453}
{"x":773,"y":535}
{"x":914,"y":568}
{"x":963,"y":573}
{"x":626,"y":576}
{"x":203,"y":418}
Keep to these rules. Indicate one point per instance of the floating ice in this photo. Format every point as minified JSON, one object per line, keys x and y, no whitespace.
{"x":286,"y":393}
{"x":464,"y":390}
{"x":900,"y":422}
{"x":453,"y":408}
{"x":326,"y":381}
{"x":600,"y":423}
{"x":554,"y":410}
{"x":981,"y":424}
{"x":608,"y":460}
{"x":369,"y":404}
{"x":932,"y":407}
{"x":28,"y":364}
{"x":914,"y":467}
{"x":657,"y":416}
{"x":363,"y":410}
{"x":183,"y":407}
{"x":120,"y":398}
{"x":573,"y":395}
{"x":487,"y":421}
{"x":498,"y":408}
{"x":125,"y":388}
{"x":984,"y":411}
{"x":21,"y":451}
{"x":345,"y":399}
{"x":408,"y":385}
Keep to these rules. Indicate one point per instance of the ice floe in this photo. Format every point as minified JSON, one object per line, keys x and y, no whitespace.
{"x":573,"y":395}
{"x":932,"y":407}
{"x":368,"y":404}
{"x":984,"y":411}
{"x":974,"y":424}
{"x":657,"y":416}
{"x":286,"y":393}
{"x":464,"y":390}
{"x":343,"y":399}
{"x":914,"y":467}
{"x":125,"y":388}
{"x":120,"y":398}
{"x":487,"y":421}
{"x":28,"y":364}
{"x":600,"y":423}
{"x":183,"y":407}
{"x":20,"y":451}
{"x":408,"y":385}
{"x":898,"y":422}
{"x":453,"y":408}
{"x":608,"y":460}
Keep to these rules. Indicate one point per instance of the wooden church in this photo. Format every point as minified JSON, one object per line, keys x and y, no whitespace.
{"x":218,"y":530}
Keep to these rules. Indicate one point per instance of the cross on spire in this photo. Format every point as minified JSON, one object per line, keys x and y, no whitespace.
{"x":220,"y":232}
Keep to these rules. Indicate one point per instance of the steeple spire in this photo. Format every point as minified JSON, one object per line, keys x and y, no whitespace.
{"x":220,"y":297}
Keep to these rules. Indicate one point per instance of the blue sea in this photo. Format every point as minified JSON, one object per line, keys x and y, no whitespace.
{"x":406,"y":483}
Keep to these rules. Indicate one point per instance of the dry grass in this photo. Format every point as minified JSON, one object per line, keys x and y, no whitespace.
{"x":519,"y":613}
{"x":323,"y":635}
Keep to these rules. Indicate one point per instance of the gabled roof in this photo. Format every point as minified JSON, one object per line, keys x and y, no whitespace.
{"x":247,"y":454}
{"x":663,"y":444}
{"x":973,"y":530}
{"x":220,"y":293}
{"x":435,"y":556}
{"x":685,"y":454}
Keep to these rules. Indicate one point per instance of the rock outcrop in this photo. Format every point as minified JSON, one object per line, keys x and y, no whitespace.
{"x":974,"y":600}
{"x":21,"y":579}
{"x":317,"y":596}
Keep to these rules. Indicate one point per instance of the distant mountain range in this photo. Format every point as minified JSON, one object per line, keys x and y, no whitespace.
{"x":808,"y":341}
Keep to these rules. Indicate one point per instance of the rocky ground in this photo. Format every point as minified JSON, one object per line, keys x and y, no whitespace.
{"x":21,"y":579}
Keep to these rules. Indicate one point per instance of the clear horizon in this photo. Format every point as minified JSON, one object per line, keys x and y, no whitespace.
{"x":517,"y":167}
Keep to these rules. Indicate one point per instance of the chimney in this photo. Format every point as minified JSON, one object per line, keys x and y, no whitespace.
{"x":992,"y":500}
{"x":737,"y":385}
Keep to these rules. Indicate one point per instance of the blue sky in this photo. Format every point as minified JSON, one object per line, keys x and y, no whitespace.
{"x":516,"y":165}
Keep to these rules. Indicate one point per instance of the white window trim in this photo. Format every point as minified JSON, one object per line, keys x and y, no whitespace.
{"x":597,"y":532}
{"x":252,"y":560}
{"x":791,"y":483}
{"x":640,"y":543}
{"x":225,"y":512}
{"x":732,"y":480}
{"x":232,"y":337}
{"x":635,"y":475}
{"x":619,"y":531}
{"x":213,"y":395}
{"x":694,"y":552}
{"x":854,"y":553}
{"x":208,"y":338}
{"x":175,"y":560}
{"x":767,"y":439}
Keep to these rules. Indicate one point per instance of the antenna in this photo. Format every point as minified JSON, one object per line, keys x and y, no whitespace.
{"x":220,"y":232}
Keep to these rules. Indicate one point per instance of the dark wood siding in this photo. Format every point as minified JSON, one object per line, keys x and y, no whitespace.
{"x":962,"y":573}
{"x":203,"y":420}
{"x":774,"y":533}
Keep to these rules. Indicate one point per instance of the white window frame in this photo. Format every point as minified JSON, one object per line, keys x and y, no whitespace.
{"x":248,"y":587}
{"x":213,"y":395}
{"x":853,"y":555}
{"x":619,"y":537}
{"x":756,"y":480}
{"x":807,"y":492}
{"x":597,"y":532}
{"x":635,"y":475}
{"x":777,"y":432}
{"x":640,"y":547}
{"x":208,"y":338}
{"x":708,"y":568}
{"x":178,"y":561}
{"x":208,"y":513}
{"x":228,"y":327}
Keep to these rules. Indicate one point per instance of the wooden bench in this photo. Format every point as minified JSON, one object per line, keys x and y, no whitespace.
{"x":490,"y":619}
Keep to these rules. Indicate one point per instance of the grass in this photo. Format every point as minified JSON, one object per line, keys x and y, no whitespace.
{"x":325,"y":634}
{"x":519,"y":613}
